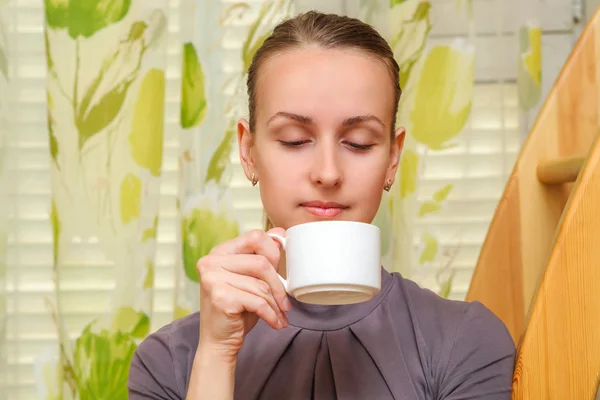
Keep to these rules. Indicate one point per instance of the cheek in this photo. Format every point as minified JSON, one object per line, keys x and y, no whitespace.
{"x":279,"y":176}
{"x":371,"y":189}
{"x":369,"y":175}
{"x":273,"y":166}
{"x":277,"y":179}
{"x":279,"y":183}
{"x":368,"y":169}
{"x":370,"y":199}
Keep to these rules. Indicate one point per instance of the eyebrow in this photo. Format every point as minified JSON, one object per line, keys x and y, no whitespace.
{"x":304,"y":120}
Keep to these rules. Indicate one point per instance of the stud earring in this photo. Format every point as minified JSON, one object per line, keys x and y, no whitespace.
{"x":388,"y":185}
{"x":254,"y":179}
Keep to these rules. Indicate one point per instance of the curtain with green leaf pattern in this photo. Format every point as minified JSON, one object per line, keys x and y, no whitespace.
{"x":204,"y":204}
{"x":437,"y":80}
{"x":208,"y":122}
{"x":4,"y":187}
{"x":105,"y":92}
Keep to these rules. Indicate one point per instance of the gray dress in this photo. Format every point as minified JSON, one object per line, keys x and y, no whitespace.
{"x":405,"y":343}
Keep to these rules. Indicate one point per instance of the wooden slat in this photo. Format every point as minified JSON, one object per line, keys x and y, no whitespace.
{"x":560,"y":170}
{"x":513,"y":258}
{"x":559,"y":356}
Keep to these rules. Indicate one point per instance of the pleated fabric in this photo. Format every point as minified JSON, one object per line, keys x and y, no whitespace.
{"x":405,"y":343}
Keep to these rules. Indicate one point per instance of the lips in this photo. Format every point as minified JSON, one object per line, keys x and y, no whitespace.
{"x":324,"y":209}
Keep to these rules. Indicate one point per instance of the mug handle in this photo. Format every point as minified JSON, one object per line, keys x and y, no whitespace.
{"x":282,"y":241}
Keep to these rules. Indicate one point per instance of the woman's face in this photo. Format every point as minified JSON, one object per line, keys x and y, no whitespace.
{"x":321,"y":148}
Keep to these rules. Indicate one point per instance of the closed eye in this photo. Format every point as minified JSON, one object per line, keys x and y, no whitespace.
{"x":298,"y":143}
{"x":359,"y":146}
{"x":295,"y":143}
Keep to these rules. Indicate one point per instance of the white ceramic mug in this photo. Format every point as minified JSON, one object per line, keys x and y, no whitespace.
{"x":332,"y":262}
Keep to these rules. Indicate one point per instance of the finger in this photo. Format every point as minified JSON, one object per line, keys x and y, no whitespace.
{"x":259,"y":267}
{"x":260,"y":307}
{"x":252,"y":242}
{"x":258,"y":288}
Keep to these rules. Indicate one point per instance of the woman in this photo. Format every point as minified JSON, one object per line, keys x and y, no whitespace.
{"x":323,"y":95}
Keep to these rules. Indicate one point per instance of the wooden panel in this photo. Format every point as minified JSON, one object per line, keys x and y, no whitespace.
{"x":565,"y":127}
{"x":559,"y":356}
{"x":502,"y":267}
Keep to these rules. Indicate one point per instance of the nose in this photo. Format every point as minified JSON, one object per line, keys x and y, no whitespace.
{"x":326,"y":170}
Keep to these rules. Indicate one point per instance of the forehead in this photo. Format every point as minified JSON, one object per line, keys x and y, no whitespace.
{"x":328,"y":85}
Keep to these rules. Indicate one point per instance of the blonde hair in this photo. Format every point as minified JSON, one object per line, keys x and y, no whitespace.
{"x":268,"y":224}
{"x":328,"y":31}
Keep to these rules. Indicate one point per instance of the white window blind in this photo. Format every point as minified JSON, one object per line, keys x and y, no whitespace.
{"x":478,"y":166}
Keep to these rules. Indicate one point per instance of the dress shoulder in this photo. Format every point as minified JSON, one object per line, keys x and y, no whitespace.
{"x":162,"y":362}
{"x":467,"y":349}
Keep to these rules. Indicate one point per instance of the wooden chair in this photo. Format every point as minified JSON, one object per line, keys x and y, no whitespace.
{"x":539,"y":268}
{"x":559,"y":353}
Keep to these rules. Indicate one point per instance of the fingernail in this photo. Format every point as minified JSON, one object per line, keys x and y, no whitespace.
{"x":286,"y":304}
{"x":279,"y":326}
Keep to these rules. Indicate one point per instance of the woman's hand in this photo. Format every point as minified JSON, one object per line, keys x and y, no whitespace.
{"x":239,"y":284}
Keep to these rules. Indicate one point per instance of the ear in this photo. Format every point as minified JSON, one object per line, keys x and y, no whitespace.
{"x":245,"y":143}
{"x":395,"y":152}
